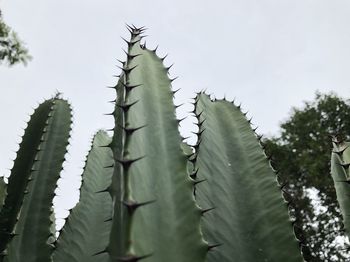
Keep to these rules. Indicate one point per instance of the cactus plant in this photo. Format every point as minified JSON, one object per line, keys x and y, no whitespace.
{"x":146,"y":195}
{"x":340,"y":162}
{"x":90,"y":218}
{"x":27,"y":210}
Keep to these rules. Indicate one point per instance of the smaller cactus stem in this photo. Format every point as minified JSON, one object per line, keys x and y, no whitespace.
{"x":127,"y":195}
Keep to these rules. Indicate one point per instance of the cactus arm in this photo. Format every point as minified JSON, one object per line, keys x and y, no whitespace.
{"x":2,"y":191}
{"x":33,"y":232}
{"x":161,"y":220}
{"x":246,"y":215}
{"x":87,"y":228}
{"x":340,"y":160}
{"x":20,"y":172}
{"x":116,"y":187}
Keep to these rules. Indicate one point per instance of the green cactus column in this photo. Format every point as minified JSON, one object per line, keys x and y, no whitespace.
{"x":340,"y":162}
{"x":245,"y":216}
{"x":26,"y":217}
{"x":87,"y":228}
{"x":155,"y":215}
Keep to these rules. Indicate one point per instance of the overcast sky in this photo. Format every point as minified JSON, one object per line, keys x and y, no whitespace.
{"x":270,"y":55}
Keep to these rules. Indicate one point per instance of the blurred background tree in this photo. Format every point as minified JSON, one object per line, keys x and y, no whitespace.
{"x":12,"y":50}
{"x":301,"y":153}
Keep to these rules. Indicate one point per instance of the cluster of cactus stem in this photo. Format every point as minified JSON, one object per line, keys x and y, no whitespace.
{"x":146,"y":194}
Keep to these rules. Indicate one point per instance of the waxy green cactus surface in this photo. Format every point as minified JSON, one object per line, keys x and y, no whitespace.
{"x":87,"y":229}
{"x":246,"y":214}
{"x":340,"y":162}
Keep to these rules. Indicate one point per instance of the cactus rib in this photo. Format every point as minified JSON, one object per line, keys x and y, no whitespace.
{"x":20,"y":172}
{"x":245,"y":217}
{"x":160,"y":178}
{"x":34,"y":233}
{"x":87,"y":228}
{"x":340,"y":160}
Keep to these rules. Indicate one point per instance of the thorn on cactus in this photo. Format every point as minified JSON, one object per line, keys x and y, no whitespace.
{"x":130,"y":87}
{"x":199,"y":114}
{"x":128,"y":27}
{"x":106,"y":190}
{"x":106,"y":146}
{"x":196,"y":182}
{"x":126,"y":163}
{"x":112,"y":87}
{"x":203,"y":211}
{"x":133,"y":258}
{"x":101,"y":252}
{"x":213,"y":246}
{"x":345,"y":165}
{"x":177,"y":106}
{"x":155,"y":49}
{"x":173,"y":79}
{"x":131,"y":43}
{"x":130,"y":56}
{"x":131,"y":130}
{"x":175,"y":91}
{"x":163,"y":58}
{"x":126,"y":107}
{"x":127,"y":70}
{"x":109,"y":114}
{"x":133,"y":205}
{"x":181,"y":119}
{"x":200,"y":132}
{"x":122,"y":62}
{"x":201,"y":123}
{"x":168,"y":68}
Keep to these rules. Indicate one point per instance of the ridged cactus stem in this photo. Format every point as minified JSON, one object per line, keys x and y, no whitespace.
{"x":87,"y":228}
{"x":248,"y":218}
{"x":20,"y":173}
{"x":157,"y":219}
{"x":34,"y":234}
{"x":127,"y":199}
{"x":340,"y":163}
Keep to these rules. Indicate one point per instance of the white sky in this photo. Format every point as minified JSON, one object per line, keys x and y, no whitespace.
{"x":270,"y":55}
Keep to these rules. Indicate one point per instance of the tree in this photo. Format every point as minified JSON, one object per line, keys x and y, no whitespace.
{"x":12,"y":50}
{"x":302,"y":155}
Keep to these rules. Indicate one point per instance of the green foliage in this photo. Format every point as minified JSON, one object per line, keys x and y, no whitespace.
{"x":12,"y":50}
{"x":301,"y":154}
